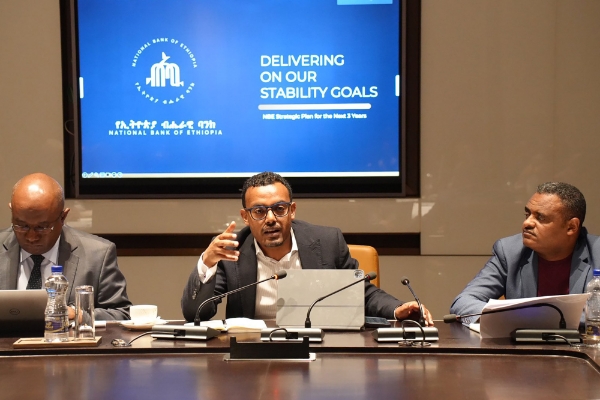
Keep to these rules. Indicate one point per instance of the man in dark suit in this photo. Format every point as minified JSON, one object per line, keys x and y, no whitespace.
{"x":38,"y":239}
{"x":271,"y":241}
{"x":553,"y":255}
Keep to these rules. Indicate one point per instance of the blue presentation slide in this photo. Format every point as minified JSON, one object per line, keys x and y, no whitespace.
{"x":209,"y":88}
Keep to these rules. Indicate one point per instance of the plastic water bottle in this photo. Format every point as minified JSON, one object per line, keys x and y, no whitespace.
{"x":57,"y":316}
{"x":592,"y":310}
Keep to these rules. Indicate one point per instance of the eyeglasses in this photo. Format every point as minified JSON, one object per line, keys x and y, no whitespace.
{"x":37,"y":229}
{"x":259,"y":213}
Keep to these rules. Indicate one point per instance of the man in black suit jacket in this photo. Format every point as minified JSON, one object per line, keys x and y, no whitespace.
{"x":283,"y":243}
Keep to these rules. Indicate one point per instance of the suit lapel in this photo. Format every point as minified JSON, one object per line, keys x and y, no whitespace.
{"x":529,"y":274}
{"x":580,"y":267}
{"x":9,"y":263}
{"x":309,"y":249}
{"x":67,"y":256}
{"x":247,"y":268}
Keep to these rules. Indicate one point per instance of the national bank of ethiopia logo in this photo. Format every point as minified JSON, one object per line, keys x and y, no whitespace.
{"x":164,"y":69}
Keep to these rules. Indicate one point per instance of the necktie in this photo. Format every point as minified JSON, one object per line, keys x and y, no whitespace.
{"x":35,"y":279}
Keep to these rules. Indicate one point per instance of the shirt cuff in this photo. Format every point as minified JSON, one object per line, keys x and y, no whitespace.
{"x":205,"y":272}
{"x":394,"y":312}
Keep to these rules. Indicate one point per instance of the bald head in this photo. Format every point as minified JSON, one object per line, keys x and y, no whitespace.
{"x":38,"y":213}
{"x":38,"y":191}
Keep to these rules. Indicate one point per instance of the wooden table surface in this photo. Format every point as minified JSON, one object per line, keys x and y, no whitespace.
{"x":348,"y":365}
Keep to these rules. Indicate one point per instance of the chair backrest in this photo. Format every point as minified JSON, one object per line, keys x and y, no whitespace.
{"x":368,"y":259}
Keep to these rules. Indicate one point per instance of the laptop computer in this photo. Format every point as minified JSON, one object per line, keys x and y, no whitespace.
{"x":22,"y":312}
{"x":299,"y":290}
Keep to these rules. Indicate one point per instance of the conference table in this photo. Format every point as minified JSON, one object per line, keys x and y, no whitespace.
{"x":348,"y":365}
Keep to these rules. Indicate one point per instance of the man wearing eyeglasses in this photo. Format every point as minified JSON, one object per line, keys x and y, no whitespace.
{"x":39,"y":239}
{"x":273,"y":240}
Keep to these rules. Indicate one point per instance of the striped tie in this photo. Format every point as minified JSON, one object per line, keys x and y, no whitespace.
{"x":35,"y":279}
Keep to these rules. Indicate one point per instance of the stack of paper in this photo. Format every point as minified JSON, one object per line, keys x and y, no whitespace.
{"x":501,"y":324}
{"x":236,"y":325}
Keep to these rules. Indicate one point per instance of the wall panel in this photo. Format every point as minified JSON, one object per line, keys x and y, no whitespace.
{"x":510,"y":98}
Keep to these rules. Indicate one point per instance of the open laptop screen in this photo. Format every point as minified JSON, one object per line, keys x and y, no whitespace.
{"x":22,"y":312}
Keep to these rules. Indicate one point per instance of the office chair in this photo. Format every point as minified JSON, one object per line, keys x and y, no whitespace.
{"x":368,"y":259}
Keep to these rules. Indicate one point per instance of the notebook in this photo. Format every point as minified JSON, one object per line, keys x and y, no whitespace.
{"x":22,"y":312}
{"x":342,"y":311}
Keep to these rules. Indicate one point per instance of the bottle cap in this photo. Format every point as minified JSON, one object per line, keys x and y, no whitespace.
{"x":59,"y":269}
{"x":596,"y":272}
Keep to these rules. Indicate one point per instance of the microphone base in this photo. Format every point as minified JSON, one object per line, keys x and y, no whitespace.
{"x":408,"y":333}
{"x":179,"y":332}
{"x":545,"y":336}
{"x":315,"y":335}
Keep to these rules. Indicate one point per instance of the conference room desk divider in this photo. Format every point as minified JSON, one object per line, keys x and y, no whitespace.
{"x":348,"y":365}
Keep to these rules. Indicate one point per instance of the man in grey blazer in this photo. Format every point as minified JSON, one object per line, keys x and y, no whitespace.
{"x":38,"y":216}
{"x":271,"y":241}
{"x":553,"y":254}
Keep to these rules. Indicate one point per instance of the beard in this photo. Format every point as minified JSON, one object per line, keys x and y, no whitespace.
{"x":274,"y":243}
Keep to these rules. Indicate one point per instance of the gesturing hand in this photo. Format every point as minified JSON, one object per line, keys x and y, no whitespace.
{"x":222,"y":247}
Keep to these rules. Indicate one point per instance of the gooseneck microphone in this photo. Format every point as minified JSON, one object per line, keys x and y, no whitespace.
{"x":279,"y":275}
{"x":406,"y":283}
{"x":370,"y":276}
{"x":531,"y":335}
{"x":457,"y":318}
{"x":409,"y":334}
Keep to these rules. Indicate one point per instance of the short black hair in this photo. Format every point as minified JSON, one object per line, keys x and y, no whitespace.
{"x":571,"y":198}
{"x":264,"y":179}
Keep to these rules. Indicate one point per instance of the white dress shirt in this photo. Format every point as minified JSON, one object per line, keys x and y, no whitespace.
{"x":26,"y":265}
{"x":266,"y":292}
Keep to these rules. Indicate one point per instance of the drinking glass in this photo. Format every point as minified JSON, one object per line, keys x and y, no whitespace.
{"x":84,"y":313}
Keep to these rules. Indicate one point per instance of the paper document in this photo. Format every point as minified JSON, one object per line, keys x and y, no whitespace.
{"x":475,"y":326}
{"x":501,"y":324}
{"x":236,"y":325}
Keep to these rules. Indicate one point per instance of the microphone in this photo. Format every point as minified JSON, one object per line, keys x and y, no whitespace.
{"x":406,"y":282}
{"x":530,"y":335}
{"x":279,"y":275}
{"x":370,"y":276}
{"x":409,"y":334}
